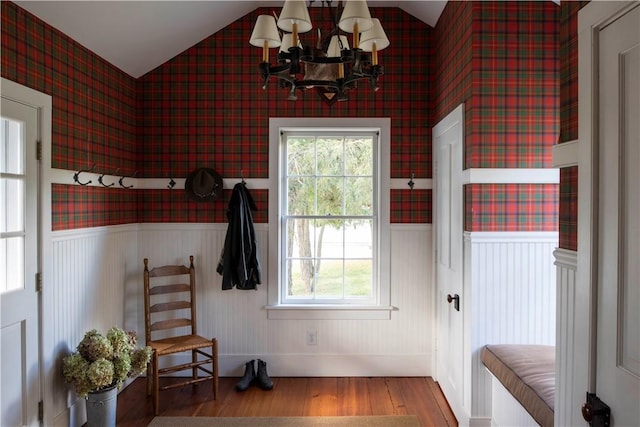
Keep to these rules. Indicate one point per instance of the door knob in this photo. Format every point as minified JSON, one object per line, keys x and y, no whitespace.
{"x":455,"y":299}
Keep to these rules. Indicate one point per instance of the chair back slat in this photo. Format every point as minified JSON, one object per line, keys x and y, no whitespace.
{"x":170,"y":324}
{"x":169,"y":306}
{"x":169,"y":289}
{"x":168,"y":270}
{"x":161,"y":287}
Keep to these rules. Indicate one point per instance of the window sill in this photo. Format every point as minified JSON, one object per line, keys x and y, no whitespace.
{"x":329,"y":312}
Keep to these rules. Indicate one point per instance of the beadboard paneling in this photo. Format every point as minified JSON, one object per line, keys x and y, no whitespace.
{"x":402,"y":345}
{"x":94,"y":286}
{"x":566,"y":380}
{"x":511,"y":281}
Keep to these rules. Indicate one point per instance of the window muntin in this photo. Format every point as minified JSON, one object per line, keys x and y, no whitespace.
{"x":329,"y":217}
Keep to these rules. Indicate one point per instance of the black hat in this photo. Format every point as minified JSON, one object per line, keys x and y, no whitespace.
{"x":203,"y":185}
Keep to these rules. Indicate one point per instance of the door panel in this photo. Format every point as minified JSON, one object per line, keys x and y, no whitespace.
{"x":618,"y":279}
{"x":448,"y":144}
{"x":20,"y":382}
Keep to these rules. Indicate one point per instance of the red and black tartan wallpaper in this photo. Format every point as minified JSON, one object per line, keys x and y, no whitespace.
{"x":93,"y":117}
{"x":568,"y":211}
{"x":192,"y":112}
{"x":206,"y":107}
{"x":500,"y":58}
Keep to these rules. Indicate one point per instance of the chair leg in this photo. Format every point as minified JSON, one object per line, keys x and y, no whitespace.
{"x":214,"y":365}
{"x":149,"y":376}
{"x":194,"y":359}
{"x":156,"y":384}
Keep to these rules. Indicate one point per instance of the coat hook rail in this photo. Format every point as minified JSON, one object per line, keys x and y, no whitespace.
{"x":101,"y":179}
{"x":76,"y":176}
{"x":123,"y":177}
{"x":411,"y":183}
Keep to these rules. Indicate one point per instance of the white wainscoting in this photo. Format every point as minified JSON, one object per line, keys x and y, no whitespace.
{"x":97,"y":283}
{"x":401,"y":346}
{"x":94,"y":286}
{"x":510,"y":281}
{"x":567,"y":402}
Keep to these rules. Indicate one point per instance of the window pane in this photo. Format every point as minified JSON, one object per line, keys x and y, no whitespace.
{"x":12,"y":199}
{"x":358,"y":278}
{"x":359,"y":240}
{"x":301,"y":237}
{"x":301,"y":196}
{"x":301,"y":156}
{"x":300,"y":282}
{"x":359,"y":196}
{"x":330,"y":238}
{"x":330,"y":272}
{"x":330,"y":157}
{"x":330,"y":191}
{"x":12,"y":261}
{"x":330,"y":196}
{"x":11,"y":158}
{"x":359,"y":156}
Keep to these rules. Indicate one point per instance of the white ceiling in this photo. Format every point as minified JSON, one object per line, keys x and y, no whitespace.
{"x":138,"y":36}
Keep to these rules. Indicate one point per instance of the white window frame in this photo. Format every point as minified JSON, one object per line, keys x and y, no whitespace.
{"x":381,"y":309}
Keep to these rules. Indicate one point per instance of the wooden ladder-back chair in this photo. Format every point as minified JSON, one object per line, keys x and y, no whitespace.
{"x":169,"y":311}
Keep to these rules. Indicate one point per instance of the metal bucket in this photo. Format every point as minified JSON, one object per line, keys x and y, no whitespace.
{"x":101,"y":408}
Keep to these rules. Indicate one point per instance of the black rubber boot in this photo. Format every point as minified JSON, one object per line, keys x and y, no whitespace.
{"x":248,"y":377}
{"x":263,"y":380}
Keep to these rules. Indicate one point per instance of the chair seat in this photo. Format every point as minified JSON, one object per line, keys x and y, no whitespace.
{"x":178,"y":344}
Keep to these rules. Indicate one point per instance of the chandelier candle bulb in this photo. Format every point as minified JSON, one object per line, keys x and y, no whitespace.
{"x":265,"y":35}
{"x":374,"y":40}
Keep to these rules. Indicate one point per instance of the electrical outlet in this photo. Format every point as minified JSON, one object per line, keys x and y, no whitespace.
{"x":312,"y":337}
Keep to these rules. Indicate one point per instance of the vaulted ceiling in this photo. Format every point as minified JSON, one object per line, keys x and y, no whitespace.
{"x":138,"y":36}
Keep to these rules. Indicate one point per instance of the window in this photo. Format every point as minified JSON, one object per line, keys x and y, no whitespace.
{"x":332,"y":214}
{"x":329,"y":227}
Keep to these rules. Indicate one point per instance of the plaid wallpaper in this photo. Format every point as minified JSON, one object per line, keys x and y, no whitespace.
{"x":93,"y":101}
{"x":76,"y":206}
{"x":206,"y":107}
{"x":93,"y":117}
{"x":189,"y":113}
{"x":568,"y":216}
{"x":514,"y":113}
{"x":511,"y":207}
{"x":500,"y":58}
{"x":569,"y":120}
{"x":453,"y":75}
{"x":410,"y":206}
{"x":173,"y":206}
{"x":568,"y":48}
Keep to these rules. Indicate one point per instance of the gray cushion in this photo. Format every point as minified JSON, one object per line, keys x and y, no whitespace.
{"x":528,"y":373}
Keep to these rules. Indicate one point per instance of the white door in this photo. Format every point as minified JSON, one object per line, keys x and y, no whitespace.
{"x":618,"y":279}
{"x":20,"y":381}
{"x":447,"y":169}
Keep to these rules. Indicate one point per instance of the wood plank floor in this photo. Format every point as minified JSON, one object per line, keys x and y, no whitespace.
{"x":327,"y":396}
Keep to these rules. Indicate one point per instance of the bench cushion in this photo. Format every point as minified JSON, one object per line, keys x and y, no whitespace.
{"x":528,"y":373}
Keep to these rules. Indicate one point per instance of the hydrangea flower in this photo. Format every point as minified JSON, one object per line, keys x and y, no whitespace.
{"x":101,"y":362}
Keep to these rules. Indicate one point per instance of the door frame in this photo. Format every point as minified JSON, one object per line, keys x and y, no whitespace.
{"x":43,"y":103}
{"x":591,"y":19}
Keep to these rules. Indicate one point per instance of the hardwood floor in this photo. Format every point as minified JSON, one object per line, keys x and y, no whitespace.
{"x":419,"y":396}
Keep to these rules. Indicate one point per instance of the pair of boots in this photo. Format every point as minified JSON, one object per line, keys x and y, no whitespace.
{"x":250,"y":376}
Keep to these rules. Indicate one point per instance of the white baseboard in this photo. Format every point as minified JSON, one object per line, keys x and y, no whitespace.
{"x":329,"y":365}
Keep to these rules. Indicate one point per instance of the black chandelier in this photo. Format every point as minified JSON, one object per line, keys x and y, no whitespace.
{"x":331,"y":65}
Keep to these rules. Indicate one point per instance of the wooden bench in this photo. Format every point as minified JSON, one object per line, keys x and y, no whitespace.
{"x":528,"y":373}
